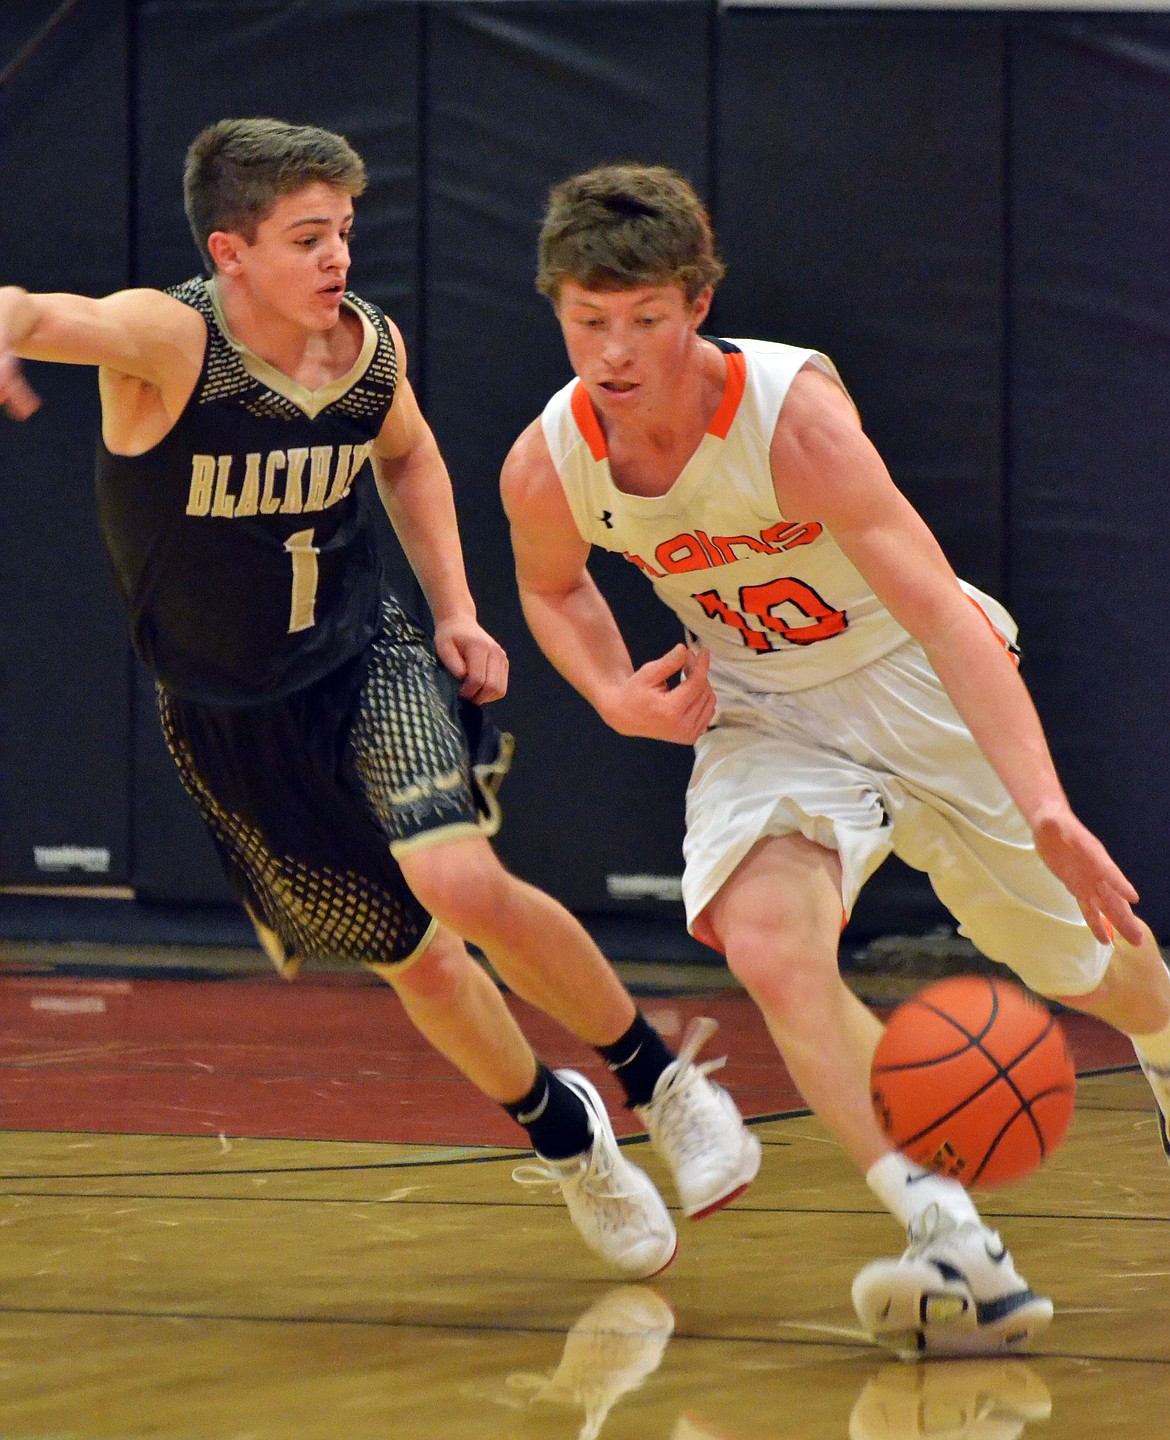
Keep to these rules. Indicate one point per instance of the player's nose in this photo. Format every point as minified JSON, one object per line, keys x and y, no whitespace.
{"x":616,"y":350}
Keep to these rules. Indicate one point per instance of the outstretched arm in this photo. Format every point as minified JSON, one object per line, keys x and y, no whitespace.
{"x":826,"y":468}
{"x":572,"y":622}
{"x":416,"y":491}
{"x":137,"y":335}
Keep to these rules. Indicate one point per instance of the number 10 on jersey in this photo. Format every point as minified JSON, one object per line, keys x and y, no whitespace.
{"x":815,"y":618}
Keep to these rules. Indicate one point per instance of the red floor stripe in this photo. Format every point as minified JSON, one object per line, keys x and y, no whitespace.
{"x":322,"y":1059}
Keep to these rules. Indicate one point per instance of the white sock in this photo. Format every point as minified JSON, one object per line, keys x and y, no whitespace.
{"x":907,"y":1189}
{"x":1154,"y":1047}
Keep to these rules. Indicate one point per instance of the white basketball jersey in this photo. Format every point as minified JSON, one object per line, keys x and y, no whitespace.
{"x":776,"y":602}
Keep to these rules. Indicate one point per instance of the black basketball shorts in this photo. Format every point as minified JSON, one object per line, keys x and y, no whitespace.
{"x":308,"y":798}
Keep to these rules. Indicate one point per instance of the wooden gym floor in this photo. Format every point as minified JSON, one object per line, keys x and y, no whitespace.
{"x":237,"y":1209}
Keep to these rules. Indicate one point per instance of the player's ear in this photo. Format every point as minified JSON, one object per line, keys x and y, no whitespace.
{"x":224,"y":247}
{"x":702,"y":305}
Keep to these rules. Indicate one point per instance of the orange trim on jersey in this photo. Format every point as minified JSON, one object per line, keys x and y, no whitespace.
{"x":732,"y":395}
{"x":704,"y":932}
{"x":587,"y":421}
{"x":1015,"y":659}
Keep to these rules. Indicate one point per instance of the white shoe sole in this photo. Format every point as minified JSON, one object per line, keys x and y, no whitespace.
{"x":916,"y":1321}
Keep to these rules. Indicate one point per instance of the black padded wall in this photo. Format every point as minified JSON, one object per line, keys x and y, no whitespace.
{"x":352,"y":67}
{"x":64,"y":663}
{"x":1090,"y":417}
{"x":860,"y":204}
{"x":520,"y":95}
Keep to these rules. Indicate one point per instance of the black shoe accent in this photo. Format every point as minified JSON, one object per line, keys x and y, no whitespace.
{"x":1162,"y":1132}
{"x":990,"y":1312}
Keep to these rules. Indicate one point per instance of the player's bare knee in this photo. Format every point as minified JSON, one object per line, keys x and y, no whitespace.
{"x":439,"y":974}
{"x":773,"y":967}
{"x":461,"y":885}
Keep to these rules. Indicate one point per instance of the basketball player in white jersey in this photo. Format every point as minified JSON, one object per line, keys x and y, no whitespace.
{"x":846,"y":694}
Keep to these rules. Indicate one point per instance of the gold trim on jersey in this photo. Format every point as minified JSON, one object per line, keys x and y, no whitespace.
{"x":440,"y":834}
{"x":310,"y":402}
{"x":390,"y":970}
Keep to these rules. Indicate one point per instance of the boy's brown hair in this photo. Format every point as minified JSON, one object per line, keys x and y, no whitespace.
{"x":236,"y":171}
{"x":618,"y":227}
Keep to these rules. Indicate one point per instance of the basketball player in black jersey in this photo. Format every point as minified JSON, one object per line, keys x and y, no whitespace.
{"x":338,"y":758}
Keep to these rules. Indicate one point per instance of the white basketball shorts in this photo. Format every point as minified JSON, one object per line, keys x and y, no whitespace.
{"x":876,"y":762}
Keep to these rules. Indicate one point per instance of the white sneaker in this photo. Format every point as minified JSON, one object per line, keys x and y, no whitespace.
{"x":697,"y":1130}
{"x":619,"y":1213}
{"x":610,"y":1350}
{"x":954,"y":1291}
{"x":950,"y":1400}
{"x":1159,"y":1078}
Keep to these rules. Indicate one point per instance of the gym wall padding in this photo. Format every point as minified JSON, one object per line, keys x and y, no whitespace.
{"x":1089,"y":424}
{"x":965,"y":209}
{"x":860,"y":203}
{"x":860,"y":208}
{"x":518,"y":97}
{"x":64,"y":660}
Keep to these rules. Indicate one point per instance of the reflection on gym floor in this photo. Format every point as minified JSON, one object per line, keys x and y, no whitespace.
{"x":250,"y":1211}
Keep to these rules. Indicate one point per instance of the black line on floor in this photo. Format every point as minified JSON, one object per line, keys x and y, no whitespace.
{"x":486,"y":1327}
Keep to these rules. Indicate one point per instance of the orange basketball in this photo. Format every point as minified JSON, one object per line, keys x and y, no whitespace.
{"x":973,"y":1078}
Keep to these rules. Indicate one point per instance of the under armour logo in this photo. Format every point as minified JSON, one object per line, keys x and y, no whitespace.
{"x":606,"y":518}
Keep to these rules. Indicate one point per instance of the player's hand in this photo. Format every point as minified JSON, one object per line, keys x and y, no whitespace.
{"x":474,"y":658}
{"x":1078,"y":859}
{"x":647,"y":705}
{"x":17,"y":397}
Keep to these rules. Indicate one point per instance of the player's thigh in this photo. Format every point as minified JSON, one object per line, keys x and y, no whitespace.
{"x":781,"y":906}
{"x":407,"y":750}
{"x":300,"y":848}
{"x":989,"y":875}
{"x":771,"y":779}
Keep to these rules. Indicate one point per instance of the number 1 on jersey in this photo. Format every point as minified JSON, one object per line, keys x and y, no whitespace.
{"x":302,"y":610}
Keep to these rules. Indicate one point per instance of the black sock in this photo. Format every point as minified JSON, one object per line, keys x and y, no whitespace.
{"x":555,"y":1118}
{"x":638,"y":1059}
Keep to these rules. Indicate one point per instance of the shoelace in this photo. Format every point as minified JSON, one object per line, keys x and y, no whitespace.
{"x":596,"y":1175}
{"x":698,"y":1032}
{"x":930,"y":1226}
{"x":677,"y":1130}
{"x":933,"y":1224}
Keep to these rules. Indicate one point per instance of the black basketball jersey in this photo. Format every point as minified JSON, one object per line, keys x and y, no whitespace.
{"x":241,"y":541}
